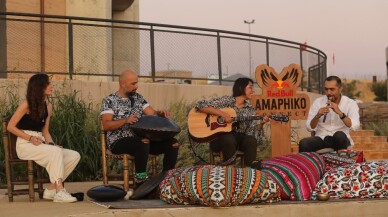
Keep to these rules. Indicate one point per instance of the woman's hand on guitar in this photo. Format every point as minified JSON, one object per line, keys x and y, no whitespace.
{"x":227,"y":118}
{"x":265,"y":119}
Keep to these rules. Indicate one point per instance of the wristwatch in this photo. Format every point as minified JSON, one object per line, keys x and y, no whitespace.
{"x":343,"y":116}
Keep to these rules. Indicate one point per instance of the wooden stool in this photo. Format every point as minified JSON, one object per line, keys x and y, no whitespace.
{"x":128,"y":162}
{"x":11,"y":160}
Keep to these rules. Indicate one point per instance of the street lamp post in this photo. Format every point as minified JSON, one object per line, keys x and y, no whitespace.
{"x":250,"y":54}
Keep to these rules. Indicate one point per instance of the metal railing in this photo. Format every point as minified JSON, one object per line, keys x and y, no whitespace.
{"x":86,"y":48}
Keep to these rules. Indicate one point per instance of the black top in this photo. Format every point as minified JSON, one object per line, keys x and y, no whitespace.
{"x":27,"y":123}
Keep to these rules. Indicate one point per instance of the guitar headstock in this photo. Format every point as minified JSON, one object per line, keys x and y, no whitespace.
{"x":279,"y":117}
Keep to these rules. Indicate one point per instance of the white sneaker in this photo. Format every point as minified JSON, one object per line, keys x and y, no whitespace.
{"x":64,"y":197}
{"x":49,"y":194}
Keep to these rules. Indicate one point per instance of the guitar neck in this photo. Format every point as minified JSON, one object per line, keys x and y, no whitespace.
{"x":281,"y":118}
{"x":248,"y":118}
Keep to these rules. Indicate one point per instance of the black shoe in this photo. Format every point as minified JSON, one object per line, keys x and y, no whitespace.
{"x":256,"y":165}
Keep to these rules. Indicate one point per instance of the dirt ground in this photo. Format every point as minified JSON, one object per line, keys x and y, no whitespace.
{"x":44,"y":208}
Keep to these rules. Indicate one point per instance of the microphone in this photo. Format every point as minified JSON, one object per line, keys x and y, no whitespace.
{"x":328,"y":103}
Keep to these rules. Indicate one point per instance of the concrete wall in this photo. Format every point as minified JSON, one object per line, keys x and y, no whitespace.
{"x":95,"y":50}
{"x":24,"y":51}
{"x":92,"y":46}
{"x":160,"y":95}
{"x":126,"y":42}
{"x":3,"y":42}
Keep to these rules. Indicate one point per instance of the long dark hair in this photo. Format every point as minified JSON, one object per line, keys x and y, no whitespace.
{"x":239,"y":86}
{"x":35,"y":95}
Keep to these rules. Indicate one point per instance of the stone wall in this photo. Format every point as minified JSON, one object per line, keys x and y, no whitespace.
{"x":373,"y":112}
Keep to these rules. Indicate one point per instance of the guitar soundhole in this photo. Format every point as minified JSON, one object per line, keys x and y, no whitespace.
{"x":220,"y":120}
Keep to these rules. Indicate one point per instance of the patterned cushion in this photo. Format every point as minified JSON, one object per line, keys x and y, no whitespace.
{"x":218,"y":186}
{"x":180,"y":170}
{"x":342,"y":158}
{"x":296,"y":174}
{"x":359,"y":180}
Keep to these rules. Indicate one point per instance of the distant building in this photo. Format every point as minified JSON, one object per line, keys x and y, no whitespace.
{"x":46,"y":47}
{"x":232,"y":78}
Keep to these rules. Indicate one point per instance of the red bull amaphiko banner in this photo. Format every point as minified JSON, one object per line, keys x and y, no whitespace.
{"x":279,"y":95}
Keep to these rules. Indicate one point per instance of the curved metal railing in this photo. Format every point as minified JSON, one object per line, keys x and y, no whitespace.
{"x":87,"y":48}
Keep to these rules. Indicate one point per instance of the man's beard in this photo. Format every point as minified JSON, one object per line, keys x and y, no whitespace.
{"x":129,"y":94}
{"x":333,"y":98}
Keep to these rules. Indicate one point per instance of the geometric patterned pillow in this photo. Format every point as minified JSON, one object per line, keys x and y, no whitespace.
{"x":180,"y":170}
{"x":296,"y":174}
{"x":359,"y":180}
{"x":342,"y":158}
{"x":218,"y":186}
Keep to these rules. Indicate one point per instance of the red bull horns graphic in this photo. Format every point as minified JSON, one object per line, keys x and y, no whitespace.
{"x":280,"y":92}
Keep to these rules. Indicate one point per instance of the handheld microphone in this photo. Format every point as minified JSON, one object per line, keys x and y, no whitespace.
{"x":328,"y":103}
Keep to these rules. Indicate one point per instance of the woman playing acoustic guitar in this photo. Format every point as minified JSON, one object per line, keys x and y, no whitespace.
{"x":245,"y":135}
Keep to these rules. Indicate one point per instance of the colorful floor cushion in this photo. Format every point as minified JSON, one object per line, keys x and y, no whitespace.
{"x":296,"y":174}
{"x":342,"y":158}
{"x":359,"y":180}
{"x":218,"y":186}
{"x":180,"y":170}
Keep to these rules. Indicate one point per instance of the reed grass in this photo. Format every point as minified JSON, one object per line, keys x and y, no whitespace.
{"x":380,"y":128}
{"x":75,"y":124}
{"x":9,"y":101}
{"x":186,"y":156}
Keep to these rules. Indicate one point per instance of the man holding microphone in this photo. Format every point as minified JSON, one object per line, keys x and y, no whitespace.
{"x":331,"y":117}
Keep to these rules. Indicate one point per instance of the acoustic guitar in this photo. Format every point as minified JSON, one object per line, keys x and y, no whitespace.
{"x":204,"y":127}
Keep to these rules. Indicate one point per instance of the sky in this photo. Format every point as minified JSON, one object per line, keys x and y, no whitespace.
{"x":354,"y":31}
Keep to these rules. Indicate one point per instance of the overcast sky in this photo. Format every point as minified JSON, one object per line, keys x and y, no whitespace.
{"x":355,"y":31}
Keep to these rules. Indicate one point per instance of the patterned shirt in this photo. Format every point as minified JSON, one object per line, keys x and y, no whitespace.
{"x":122,"y":108}
{"x":246,"y":127}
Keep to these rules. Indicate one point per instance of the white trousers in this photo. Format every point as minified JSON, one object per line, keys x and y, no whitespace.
{"x":59,"y":162}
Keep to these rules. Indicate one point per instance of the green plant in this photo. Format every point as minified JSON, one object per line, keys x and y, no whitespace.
{"x":265,"y":147}
{"x":349,"y":89}
{"x":380,"y":90}
{"x":179,"y":111}
{"x":9,"y":101}
{"x":75,"y":125}
{"x":380,"y":128}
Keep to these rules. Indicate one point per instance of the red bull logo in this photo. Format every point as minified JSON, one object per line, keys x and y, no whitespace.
{"x":280,"y":93}
{"x":280,"y":84}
